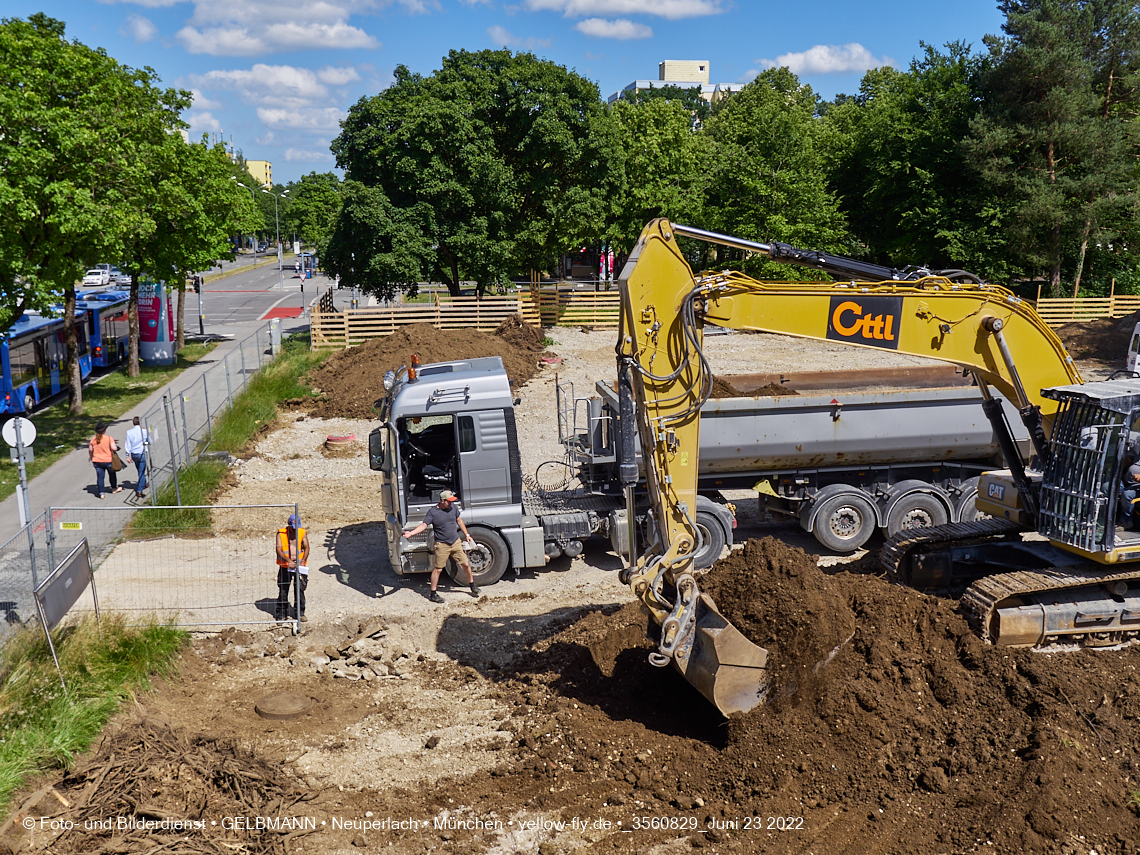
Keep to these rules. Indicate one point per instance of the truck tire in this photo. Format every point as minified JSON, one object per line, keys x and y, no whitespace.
{"x":712,"y":540}
{"x":966,"y":510}
{"x":489,"y":558}
{"x":844,"y":522}
{"x":916,"y":510}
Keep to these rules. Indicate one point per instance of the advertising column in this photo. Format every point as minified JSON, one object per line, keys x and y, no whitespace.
{"x":155,"y":334}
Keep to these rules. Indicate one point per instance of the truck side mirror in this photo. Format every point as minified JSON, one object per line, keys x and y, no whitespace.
{"x":376,"y":449}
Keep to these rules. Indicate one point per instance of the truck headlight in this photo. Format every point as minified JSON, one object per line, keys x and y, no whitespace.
{"x":389,"y":380}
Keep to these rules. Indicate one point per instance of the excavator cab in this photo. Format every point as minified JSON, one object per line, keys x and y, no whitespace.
{"x":1083,"y":482}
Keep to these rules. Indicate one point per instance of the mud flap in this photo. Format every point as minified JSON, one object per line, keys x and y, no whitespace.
{"x":720,"y":663}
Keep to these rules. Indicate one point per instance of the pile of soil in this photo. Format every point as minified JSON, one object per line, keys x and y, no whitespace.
{"x":351,"y":381}
{"x":1104,"y":340}
{"x":914,"y":737}
{"x":722,"y":388}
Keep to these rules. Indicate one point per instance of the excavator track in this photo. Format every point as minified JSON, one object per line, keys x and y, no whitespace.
{"x":896,"y":550}
{"x":1106,"y":620}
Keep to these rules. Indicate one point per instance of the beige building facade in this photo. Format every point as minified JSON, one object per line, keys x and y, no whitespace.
{"x":261,"y":171}
{"x":686,"y":73}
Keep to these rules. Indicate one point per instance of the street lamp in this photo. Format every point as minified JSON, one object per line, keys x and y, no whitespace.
{"x":277,"y":221}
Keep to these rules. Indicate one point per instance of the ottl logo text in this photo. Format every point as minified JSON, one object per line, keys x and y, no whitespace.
{"x":872,"y":321}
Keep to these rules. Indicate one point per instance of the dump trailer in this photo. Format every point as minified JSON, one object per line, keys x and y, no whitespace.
{"x":859,"y":450}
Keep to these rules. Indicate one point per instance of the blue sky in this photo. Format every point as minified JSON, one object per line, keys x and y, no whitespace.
{"x":278,"y":75}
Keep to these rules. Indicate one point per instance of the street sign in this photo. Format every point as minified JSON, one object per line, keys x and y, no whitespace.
{"x":27,"y":431}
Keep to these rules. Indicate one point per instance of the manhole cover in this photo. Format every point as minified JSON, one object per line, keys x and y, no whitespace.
{"x":283,"y":705}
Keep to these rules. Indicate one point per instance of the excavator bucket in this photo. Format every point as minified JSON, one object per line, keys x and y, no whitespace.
{"x":720,"y":663}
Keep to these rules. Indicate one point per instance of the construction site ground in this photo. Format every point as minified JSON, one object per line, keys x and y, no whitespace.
{"x":529,"y":720}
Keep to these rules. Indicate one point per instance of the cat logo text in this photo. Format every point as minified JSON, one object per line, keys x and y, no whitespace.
{"x":872,"y":321}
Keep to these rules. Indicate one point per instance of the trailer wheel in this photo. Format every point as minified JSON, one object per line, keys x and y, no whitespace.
{"x":489,"y":558}
{"x":967,"y":511}
{"x":916,"y":510}
{"x":712,"y":541}
{"x":844,"y":522}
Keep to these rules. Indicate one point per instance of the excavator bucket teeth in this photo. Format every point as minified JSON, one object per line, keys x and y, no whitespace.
{"x":721,"y":663}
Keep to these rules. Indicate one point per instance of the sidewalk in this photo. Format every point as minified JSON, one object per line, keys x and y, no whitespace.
{"x":67,"y":482}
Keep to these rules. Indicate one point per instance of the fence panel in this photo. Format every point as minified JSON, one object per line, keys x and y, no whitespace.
{"x":24,"y":559}
{"x":196,"y":566}
{"x":1056,"y":311}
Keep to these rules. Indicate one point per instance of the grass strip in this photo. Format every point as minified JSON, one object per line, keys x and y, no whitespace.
{"x":105,"y":399}
{"x":42,"y":726}
{"x":253,"y":411}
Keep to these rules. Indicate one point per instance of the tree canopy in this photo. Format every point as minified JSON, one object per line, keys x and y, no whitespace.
{"x":501,"y":161}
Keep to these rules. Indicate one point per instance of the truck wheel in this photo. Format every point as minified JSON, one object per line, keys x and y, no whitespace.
{"x":966,"y":510}
{"x":489,"y":558}
{"x":844,"y":522}
{"x":917,"y":510}
{"x":712,"y":541}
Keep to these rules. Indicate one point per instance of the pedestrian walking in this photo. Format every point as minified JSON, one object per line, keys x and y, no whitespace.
{"x":138,"y":439}
{"x":446,"y":523}
{"x":292,"y":564}
{"x":101,"y":450}
{"x":297,"y":268}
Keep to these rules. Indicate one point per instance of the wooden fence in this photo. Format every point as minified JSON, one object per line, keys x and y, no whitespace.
{"x":545,"y":307}
{"x":1056,"y":311}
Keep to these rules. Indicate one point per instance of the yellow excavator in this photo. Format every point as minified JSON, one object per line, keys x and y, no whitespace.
{"x":1072,"y":587}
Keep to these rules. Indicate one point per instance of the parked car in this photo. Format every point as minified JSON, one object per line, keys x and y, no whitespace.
{"x":118,"y":277}
{"x":96,"y":278}
{"x":261,"y":247}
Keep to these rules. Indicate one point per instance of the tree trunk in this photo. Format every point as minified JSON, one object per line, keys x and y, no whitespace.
{"x":1081,"y":256}
{"x":133,"y":326}
{"x":180,"y":326}
{"x":1055,"y":236}
{"x":74,"y":377}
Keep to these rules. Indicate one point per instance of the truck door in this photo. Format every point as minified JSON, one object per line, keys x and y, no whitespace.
{"x":427,"y":460}
{"x":483,"y":459}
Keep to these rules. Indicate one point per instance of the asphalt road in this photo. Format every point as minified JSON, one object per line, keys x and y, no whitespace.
{"x":246,"y":296}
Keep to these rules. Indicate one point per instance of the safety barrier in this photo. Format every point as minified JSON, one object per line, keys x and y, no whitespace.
{"x":205,"y":566}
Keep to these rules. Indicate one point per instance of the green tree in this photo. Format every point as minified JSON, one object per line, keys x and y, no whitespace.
{"x":313,"y":206}
{"x":76,"y":131}
{"x":188,"y":206}
{"x":768,"y":178}
{"x":501,"y":162}
{"x":1049,"y":141}
{"x":905,"y":185}
{"x":688,"y":97}
{"x":666,"y":163}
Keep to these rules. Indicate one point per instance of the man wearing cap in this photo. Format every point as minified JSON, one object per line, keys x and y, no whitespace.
{"x":445,"y":522}
{"x":292,"y":561}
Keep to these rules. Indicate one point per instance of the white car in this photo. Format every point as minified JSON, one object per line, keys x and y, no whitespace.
{"x":97,"y":277}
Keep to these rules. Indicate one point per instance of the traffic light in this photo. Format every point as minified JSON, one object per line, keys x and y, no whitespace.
{"x":197,"y":284}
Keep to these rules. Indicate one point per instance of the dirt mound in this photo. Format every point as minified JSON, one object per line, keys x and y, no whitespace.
{"x":915,"y":737}
{"x":352,"y":380}
{"x":1103,"y":340}
{"x":724,"y":389}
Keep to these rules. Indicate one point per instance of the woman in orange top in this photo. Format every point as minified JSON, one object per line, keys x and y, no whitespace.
{"x":100,"y":450}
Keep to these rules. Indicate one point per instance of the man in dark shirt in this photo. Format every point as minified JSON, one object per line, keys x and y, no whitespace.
{"x":1129,"y":494}
{"x":445,"y":522}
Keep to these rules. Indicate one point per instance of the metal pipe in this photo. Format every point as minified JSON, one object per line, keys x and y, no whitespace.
{"x":994,"y":325}
{"x":173,"y":447}
{"x":724,"y":240}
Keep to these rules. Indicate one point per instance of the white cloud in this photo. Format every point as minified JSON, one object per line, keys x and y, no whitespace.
{"x":138,"y":28}
{"x":273,"y":85}
{"x":501,"y":37}
{"x":203,"y":123}
{"x":246,"y":41}
{"x":149,"y":4}
{"x":297,"y":155}
{"x":201,"y":102}
{"x":829,"y":59}
{"x":673,"y":10}
{"x":337,"y":75}
{"x":619,"y":29}
{"x":308,"y":118}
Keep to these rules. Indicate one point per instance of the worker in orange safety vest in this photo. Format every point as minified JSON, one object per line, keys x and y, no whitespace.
{"x":292,"y":564}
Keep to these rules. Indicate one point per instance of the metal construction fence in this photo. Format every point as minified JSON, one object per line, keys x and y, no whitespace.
{"x":203,"y":566}
{"x":181,"y":425}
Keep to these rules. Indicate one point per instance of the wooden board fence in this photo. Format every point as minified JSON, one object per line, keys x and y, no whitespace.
{"x":542,"y":307}
{"x":1056,"y":311}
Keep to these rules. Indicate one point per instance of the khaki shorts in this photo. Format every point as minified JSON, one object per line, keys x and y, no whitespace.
{"x":443,"y":551}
